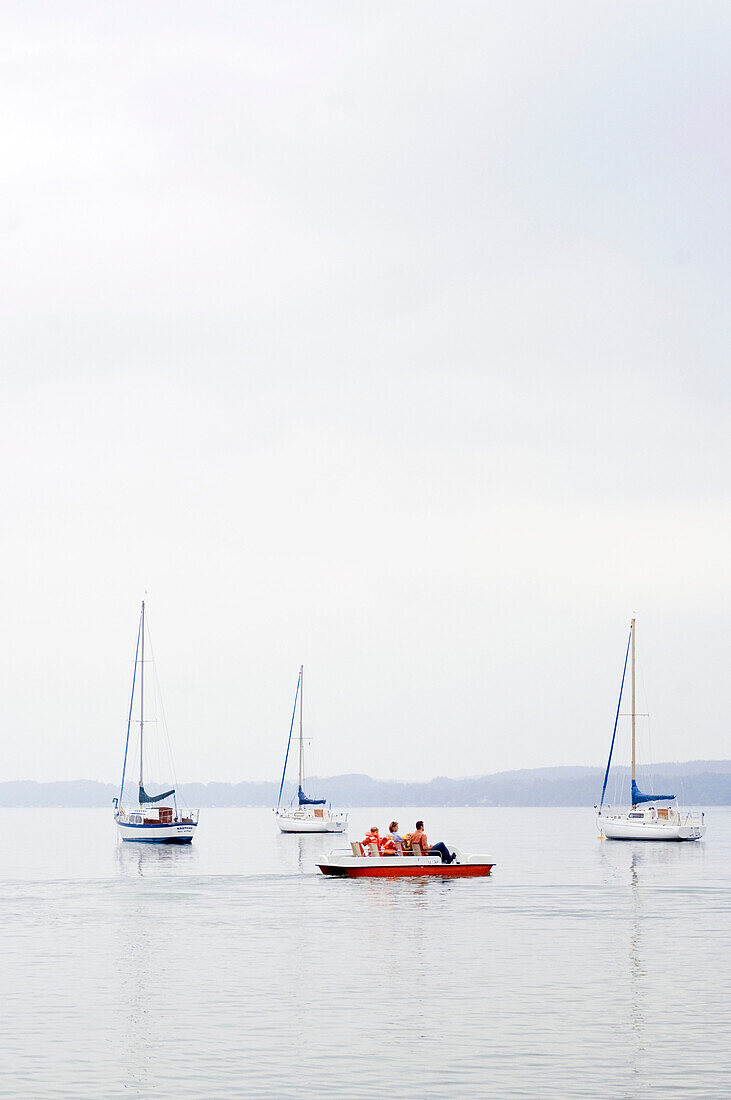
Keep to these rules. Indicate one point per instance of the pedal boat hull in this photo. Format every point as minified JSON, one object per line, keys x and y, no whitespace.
{"x":345,"y":865}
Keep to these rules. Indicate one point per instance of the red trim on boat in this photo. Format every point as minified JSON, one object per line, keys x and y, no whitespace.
{"x":444,"y":870}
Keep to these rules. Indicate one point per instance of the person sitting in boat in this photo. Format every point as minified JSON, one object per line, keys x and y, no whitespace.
{"x":419,"y":843}
{"x":371,"y":837}
{"x":393,"y":844}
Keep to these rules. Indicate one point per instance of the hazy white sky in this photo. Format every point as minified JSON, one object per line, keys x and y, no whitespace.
{"x":390,"y":338}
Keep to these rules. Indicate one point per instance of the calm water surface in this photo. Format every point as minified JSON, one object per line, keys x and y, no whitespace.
{"x":582,"y":968}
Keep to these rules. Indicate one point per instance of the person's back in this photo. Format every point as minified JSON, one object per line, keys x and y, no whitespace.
{"x":419,"y":843}
{"x":421,"y":846}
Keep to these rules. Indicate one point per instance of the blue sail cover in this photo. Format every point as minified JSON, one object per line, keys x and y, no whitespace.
{"x":638,"y":796}
{"x":305,"y":801}
{"x":145,"y":797}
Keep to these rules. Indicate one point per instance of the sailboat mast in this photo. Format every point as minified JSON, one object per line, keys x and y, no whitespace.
{"x":142,"y":689}
{"x":302,"y":669}
{"x":633,"y":704}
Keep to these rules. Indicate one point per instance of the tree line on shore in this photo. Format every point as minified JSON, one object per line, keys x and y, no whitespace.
{"x":698,"y":783}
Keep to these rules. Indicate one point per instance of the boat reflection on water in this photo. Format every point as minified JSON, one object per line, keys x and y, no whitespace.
{"x":143,"y":945}
{"x":139,"y":860}
{"x":137,"y":1039}
{"x":301,"y":851}
{"x":648,"y":866}
{"x":637,"y":973}
{"x":386,"y":902}
{"x":389,"y":892}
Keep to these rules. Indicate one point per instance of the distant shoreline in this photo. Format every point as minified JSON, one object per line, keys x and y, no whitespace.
{"x":695,"y":782}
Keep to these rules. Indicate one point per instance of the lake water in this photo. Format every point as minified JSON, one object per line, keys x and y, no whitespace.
{"x":581,"y":968}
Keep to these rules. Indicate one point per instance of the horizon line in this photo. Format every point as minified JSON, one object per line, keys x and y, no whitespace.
{"x":375,"y":779}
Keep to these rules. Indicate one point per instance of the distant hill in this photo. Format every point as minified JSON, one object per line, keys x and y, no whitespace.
{"x":695,"y":782}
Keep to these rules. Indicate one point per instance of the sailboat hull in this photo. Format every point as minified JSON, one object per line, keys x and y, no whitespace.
{"x":620,"y":828}
{"x":311,"y":824}
{"x":157,"y":834}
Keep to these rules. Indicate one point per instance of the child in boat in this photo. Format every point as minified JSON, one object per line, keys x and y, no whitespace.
{"x":371,"y":837}
{"x":420,"y":844}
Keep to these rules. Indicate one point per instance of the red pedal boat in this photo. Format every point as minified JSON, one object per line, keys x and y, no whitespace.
{"x":350,"y":863}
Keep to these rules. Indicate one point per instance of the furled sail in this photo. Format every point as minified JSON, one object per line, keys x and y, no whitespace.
{"x":638,"y":797}
{"x":146,"y":798}
{"x":305,"y":801}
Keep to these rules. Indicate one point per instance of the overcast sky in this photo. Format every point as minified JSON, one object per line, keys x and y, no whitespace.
{"x":387,"y":338}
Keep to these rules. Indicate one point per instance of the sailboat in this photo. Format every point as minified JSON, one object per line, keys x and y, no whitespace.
{"x":644,"y":820}
{"x":306,"y":815}
{"x":149,"y":821}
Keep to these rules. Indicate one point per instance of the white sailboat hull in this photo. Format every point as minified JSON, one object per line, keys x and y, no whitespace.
{"x":621,"y":827}
{"x":297,"y":822}
{"x":157,"y":834}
